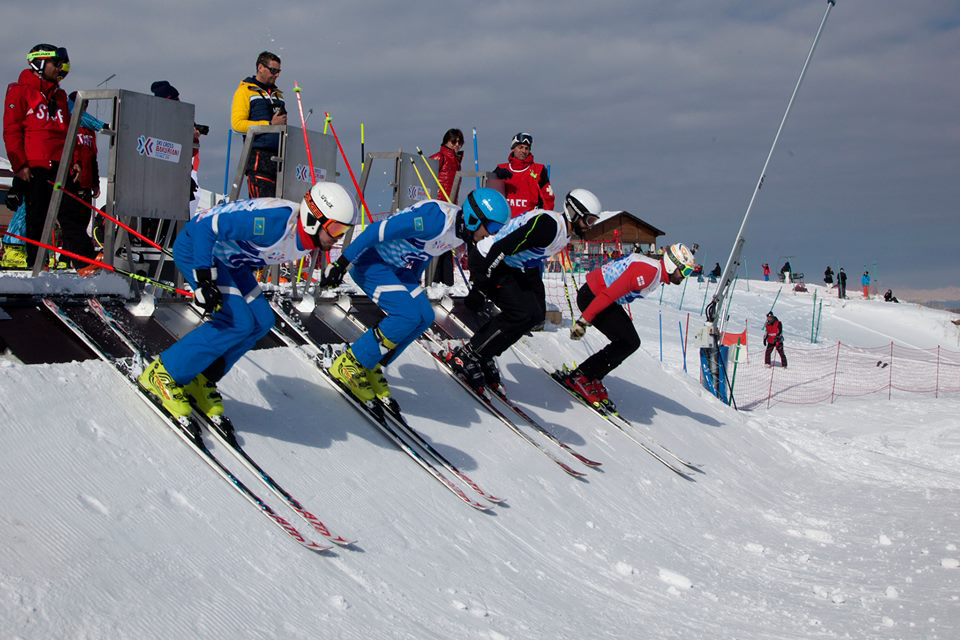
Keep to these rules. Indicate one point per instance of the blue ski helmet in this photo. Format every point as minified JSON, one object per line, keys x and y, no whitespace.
{"x":487,"y":207}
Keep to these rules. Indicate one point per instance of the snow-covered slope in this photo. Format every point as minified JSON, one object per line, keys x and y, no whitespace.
{"x":828,"y":521}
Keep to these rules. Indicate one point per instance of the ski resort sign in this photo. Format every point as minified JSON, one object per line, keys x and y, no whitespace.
{"x":159,"y":149}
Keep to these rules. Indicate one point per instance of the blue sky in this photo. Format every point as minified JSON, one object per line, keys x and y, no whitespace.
{"x":663,"y":109}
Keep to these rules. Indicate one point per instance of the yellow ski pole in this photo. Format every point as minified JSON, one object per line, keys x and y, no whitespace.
{"x":420,"y":178}
{"x":435,"y":178}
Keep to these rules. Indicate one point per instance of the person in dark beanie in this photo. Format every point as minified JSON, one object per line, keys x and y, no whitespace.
{"x":526,"y":183}
{"x":773,"y":338}
{"x":841,"y":283}
{"x":257,"y":102}
{"x":163,"y":89}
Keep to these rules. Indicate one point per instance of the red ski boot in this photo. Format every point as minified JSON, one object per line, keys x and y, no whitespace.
{"x":582,"y":386}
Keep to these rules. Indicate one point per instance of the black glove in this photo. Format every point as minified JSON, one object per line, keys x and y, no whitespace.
{"x":334,"y":273}
{"x":206,"y":295}
{"x":475,"y":300}
{"x":578,"y":329}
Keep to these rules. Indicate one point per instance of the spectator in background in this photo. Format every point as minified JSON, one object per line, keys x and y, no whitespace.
{"x":256,"y":102}
{"x":889,"y":297}
{"x":766,"y":272}
{"x":527,"y":185}
{"x":715,"y":272}
{"x":785,"y":272}
{"x":448,"y":158}
{"x":83,"y":181}
{"x":35,"y":121}
{"x":865,"y":281}
{"x":163,"y":89}
{"x":841,"y":283}
{"x":773,"y":338}
{"x":828,"y":276}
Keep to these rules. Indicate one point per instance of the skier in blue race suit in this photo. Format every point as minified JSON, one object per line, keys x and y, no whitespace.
{"x":388,"y":260}
{"x":217,"y":252}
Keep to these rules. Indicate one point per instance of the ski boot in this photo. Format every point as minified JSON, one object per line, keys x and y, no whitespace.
{"x":351,"y":374}
{"x":491,"y":373}
{"x":465,"y":363}
{"x":204,"y":396}
{"x":156,"y":381}
{"x":378,"y":383}
{"x":582,"y":386}
{"x":14,"y":257}
{"x":604,"y":397}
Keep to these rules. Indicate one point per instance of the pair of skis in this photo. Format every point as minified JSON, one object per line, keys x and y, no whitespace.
{"x":385,"y":416}
{"x":493,"y":399}
{"x":189,"y":430}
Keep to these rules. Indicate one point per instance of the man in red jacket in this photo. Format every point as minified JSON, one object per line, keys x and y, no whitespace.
{"x":773,"y":338}
{"x":617,"y":283}
{"x":35,"y":120}
{"x":527,"y":185}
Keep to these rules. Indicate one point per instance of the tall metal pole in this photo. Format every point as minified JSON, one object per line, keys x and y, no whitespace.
{"x":733,"y":261}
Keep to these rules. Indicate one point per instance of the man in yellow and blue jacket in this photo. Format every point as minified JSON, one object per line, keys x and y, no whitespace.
{"x":258,"y":101}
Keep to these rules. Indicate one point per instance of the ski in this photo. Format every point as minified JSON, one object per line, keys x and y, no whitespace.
{"x":622,"y":427}
{"x":373,"y":411}
{"x":480,"y":396}
{"x":186,"y":428}
{"x":221,"y":428}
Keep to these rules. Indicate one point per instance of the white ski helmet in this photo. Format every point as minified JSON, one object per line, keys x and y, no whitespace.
{"x":581,"y":203}
{"x":328,"y":206}
{"x":678,"y":256}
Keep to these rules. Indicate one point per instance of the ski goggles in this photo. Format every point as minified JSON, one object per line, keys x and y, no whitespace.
{"x":522,"y":138}
{"x":333,"y":227}
{"x":685,"y":269}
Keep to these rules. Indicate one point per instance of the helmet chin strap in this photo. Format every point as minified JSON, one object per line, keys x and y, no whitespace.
{"x":308,"y":241}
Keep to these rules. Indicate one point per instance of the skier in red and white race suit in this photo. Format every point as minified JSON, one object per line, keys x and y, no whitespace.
{"x":617,"y":283}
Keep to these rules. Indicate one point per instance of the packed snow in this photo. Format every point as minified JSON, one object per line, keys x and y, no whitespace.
{"x":828,"y":520}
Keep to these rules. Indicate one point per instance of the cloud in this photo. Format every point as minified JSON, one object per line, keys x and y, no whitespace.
{"x":665,"y":109}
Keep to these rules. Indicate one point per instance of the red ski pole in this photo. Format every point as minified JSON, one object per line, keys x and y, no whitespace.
{"x":104,"y":265}
{"x":347,"y":162}
{"x":111,"y":219}
{"x":303,"y":127}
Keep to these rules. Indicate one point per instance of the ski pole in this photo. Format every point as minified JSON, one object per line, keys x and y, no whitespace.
{"x":343,"y":155}
{"x":683,"y":293}
{"x":226,"y":167}
{"x":683,"y":347}
{"x":303,"y":127}
{"x":420,"y":177}
{"x":363,"y":157}
{"x":153,"y":244}
{"x":777,"y":297}
{"x":436,"y":179}
{"x":104,"y":265}
{"x":476,"y":158}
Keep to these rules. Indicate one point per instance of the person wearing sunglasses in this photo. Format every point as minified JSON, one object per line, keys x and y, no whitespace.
{"x":258,"y":102}
{"x":510,"y":275}
{"x":217,"y":252}
{"x":35,"y":122}
{"x":526,"y":183}
{"x":601,"y":301}
{"x":388,"y":260}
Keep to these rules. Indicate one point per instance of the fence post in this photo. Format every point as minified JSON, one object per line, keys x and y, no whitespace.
{"x":770,"y":390}
{"x":683,"y":293}
{"x":890,"y":383}
{"x":836,"y":364}
{"x":813,"y":317}
{"x":936,"y":392}
{"x":661,"y":335}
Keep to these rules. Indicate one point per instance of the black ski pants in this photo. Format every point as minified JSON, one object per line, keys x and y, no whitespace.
{"x":38,"y":195}
{"x":778,"y":345}
{"x":522,"y":301}
{"x":616,"y":325}
{"x":74,"y":217}
{"x":261,"y":174}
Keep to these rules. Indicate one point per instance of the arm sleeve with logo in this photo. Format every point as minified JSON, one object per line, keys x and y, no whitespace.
{"x":261,"y":227}
{"x":636,"y":277}
{"x":421,"y":221}
{"x":537,"y":232}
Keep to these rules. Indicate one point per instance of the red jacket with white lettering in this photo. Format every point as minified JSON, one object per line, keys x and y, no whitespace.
{"x":35,"y":120}
{"x":85,"y":157}
{"x":622,"y":281}
{"x":527,"y":185}
{"x":448,"y":163}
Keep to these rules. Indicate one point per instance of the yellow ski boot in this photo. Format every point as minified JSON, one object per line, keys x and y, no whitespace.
{"x":378,"y":383}
{"x":156,"y":381}
{"x":205,"y":396}
{"x":351,"y":374}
